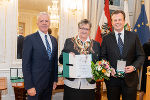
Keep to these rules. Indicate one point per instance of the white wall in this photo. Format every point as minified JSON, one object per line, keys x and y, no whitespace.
{"x":8,"y":38}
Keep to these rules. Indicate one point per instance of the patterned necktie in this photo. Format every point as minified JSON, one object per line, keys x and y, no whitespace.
{"x":120,"y":43}
{"x":48,"y":47}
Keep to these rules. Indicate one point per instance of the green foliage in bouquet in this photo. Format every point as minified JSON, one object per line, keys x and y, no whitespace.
{"x":101,"y":70}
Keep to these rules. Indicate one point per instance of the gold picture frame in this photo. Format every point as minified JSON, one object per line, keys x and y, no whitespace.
{"x":21,"y":24}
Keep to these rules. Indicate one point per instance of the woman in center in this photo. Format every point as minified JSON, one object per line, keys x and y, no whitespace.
{"x":81,"y":44}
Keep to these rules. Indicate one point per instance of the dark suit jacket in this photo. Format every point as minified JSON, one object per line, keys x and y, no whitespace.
{"x":20,"y":40}
{"x":133,"y":54}
{"x":38,"y":70}
{"x":146,"y":48}
{"x":69,"y":47}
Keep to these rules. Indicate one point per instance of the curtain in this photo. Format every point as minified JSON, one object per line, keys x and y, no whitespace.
{"x":147,"y":8}
{"x":8,"y":42}
{"x":149,"y":13}
{"x":95,"y":8}
{"x":8,"y":27}
{"x":2,"y":33}
{"x":137,"y":10}
{"x":71,"y":12}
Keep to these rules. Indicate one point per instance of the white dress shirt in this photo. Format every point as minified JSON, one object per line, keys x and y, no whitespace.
{"x":42,"y":35}
{"x":122,"y":35}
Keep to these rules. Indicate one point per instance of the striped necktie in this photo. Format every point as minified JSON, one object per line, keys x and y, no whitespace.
{"x":120,"y":43}
{"x":48,"y":47}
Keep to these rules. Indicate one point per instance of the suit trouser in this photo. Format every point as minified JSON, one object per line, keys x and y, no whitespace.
{"x":44,"y":94}
{"x":118,"y":87}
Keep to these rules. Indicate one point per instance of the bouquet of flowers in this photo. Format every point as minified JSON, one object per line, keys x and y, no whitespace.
{"x":101,"y":70}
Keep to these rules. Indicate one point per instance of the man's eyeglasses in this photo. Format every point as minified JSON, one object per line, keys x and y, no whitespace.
{"x":86,"y":29}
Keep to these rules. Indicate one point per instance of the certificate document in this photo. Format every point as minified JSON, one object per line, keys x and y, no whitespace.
{"x":79,"y":66}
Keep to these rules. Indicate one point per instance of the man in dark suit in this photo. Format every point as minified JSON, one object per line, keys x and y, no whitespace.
{"x":40,"y":61}
{"x":125,"y":46}
{"x":146,"y":47}
{"x":20,"y":40}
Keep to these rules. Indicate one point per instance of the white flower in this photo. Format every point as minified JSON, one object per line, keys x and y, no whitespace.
{"x":107,"y":74}
{"x":99,"y":68}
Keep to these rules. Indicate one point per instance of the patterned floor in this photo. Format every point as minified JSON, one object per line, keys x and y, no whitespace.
{"x":104,"y":96}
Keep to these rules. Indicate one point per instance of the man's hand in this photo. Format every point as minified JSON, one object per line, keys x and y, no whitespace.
{"x":31,"y":92}
{"x":129,"y":69}
{"x":54,"y":85}
{"x":113,"y":72}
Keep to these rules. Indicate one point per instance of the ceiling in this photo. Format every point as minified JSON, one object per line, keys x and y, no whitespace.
{"x":37,"y":5}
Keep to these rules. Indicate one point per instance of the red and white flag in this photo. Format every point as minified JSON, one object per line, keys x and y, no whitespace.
{"x":105,"y":23}
{"x":98,"y":36}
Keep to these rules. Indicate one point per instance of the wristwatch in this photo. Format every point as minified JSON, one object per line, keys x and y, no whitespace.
{"x":134,"y":68}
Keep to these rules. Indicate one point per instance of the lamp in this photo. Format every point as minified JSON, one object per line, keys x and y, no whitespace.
{"x":54,"y":16}
{"x":73,"y":6}
{"x":3,"y":2}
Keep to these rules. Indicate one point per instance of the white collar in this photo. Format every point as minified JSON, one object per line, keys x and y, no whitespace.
{"x":88,"y":39}
{"x":122,"y":32}
{"x":41,"y":33}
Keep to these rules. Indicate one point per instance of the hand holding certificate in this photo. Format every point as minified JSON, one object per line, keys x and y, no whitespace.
{"x":78,"y":66}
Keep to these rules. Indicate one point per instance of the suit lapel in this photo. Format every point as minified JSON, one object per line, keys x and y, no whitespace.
{"x":41,"y":44}
{"x":116,"y":48}
{"x":52,"y":41}
{"x":53,"y":44}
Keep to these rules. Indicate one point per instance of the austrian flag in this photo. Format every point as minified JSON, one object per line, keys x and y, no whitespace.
{"x":105,"y":23}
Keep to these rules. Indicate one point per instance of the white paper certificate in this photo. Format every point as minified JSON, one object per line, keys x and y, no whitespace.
{"x":121,"y":65}
{"x":81,"y":66}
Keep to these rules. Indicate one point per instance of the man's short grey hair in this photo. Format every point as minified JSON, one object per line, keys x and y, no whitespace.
{"x":43,"y":13}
